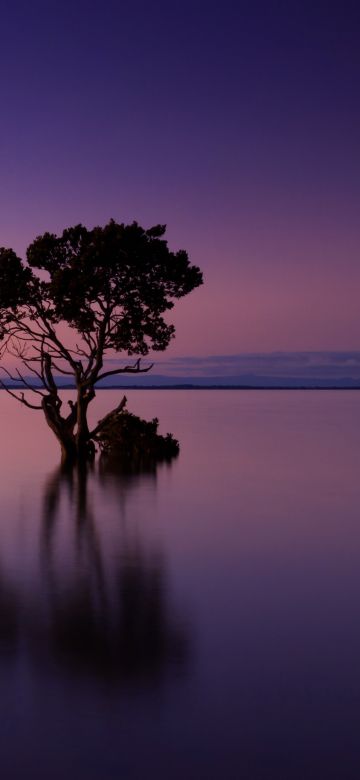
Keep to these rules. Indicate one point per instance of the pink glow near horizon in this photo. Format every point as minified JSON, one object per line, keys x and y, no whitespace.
{"x":264,"y":292}
{"x":250,"y":156}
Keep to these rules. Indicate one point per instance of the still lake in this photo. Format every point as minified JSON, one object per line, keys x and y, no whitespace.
{"x":199,"y":622}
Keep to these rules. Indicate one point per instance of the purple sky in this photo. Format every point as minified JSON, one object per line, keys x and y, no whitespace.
{"x":236,"y":123}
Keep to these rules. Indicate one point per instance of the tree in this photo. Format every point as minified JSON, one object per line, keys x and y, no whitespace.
{"x":111,"y":286}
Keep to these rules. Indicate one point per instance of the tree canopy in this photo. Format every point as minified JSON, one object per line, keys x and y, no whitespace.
{"x":112,"y":286}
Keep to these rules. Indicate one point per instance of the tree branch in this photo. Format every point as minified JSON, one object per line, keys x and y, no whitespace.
{"x":33,"y":370}
{"x":21,"y":400}
{"x":135,"y":369}
{"x":22,"y":379}
{"x":28,"y":385}
{"x":108,"y":416}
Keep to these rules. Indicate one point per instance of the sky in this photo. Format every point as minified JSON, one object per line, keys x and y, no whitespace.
{"x":236,"y":123}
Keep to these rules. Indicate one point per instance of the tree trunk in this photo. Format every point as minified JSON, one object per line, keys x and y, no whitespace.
{"x":85,"y":447}
{"x":62,"y":428}
{"x":76,"y":447}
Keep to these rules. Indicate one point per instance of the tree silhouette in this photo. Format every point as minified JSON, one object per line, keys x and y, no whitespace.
{"x":111,"y":286}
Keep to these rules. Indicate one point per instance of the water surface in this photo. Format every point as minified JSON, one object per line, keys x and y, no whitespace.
{"x":200,"y":621}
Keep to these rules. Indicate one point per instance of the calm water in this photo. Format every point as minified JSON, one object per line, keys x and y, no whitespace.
{"x":201,"y":622}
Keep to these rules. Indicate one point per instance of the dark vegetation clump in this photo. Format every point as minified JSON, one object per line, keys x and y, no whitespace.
{"x":134,"y":443}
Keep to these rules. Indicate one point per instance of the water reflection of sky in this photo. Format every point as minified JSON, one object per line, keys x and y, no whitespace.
{"x":200,"y":621}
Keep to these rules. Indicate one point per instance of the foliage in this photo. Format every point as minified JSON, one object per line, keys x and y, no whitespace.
{"x":135,"y":442}
{"x":112,"y":286}
{"x":116,"y":281}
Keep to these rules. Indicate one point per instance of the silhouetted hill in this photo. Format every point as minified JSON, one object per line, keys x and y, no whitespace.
{"x":245,"y":381}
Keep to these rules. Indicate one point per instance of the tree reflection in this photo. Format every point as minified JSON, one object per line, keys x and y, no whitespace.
{"x":103,"y":610}
{"x":9,"y":618}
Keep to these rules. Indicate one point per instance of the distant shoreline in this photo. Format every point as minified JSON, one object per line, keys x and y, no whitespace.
{"x":201,"y":387}
{"x":218,"y":387}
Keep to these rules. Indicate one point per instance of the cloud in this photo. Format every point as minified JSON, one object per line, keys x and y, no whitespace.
{"x":280,"y":364}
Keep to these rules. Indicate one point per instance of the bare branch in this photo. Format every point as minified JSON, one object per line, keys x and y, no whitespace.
{"x":62,"y":370}
{"x":126,"y":370}
{"x":28,"y":385}
{"x":13,"y":378}
{"x":22,"y":379}
{"x":32,"y":369}
{"x":21,"y":400}
{"x":81,"y":351}
{"x":108,"y":416}
{"x":47,"y":368}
